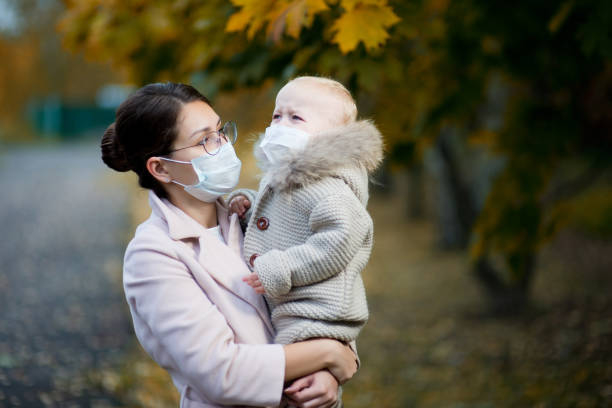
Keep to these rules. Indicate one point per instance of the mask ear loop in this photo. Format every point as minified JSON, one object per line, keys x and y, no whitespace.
{"x":176,"y":161}
{"x":176,"y":182}
{"x":182,"y":162}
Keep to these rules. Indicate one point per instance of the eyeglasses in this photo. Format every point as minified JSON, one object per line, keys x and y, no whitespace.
{"x":212,"y":141}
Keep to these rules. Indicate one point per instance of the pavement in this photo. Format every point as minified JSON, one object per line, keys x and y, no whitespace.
{"x":62,"y":312}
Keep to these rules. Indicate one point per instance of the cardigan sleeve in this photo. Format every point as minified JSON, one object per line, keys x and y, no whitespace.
{"x":180,"y":319}
{"x":341,"y":227}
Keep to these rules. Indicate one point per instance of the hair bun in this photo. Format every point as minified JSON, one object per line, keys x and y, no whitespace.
{"x":112,"y":151}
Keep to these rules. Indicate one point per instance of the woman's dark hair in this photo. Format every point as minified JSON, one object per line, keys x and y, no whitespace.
{"x":145,"y":126}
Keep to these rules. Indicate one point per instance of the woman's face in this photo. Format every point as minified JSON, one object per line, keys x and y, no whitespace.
{"x":195,"y":121}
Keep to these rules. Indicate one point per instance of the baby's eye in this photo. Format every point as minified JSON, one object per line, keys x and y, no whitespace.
{"x":296,"y":117}
{"x":276,"y":116}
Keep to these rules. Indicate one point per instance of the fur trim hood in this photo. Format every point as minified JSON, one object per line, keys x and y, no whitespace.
{"x":339,"y":152}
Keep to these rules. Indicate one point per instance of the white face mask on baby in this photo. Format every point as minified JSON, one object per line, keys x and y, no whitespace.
{"x":282,"y":141}
{"x":217,"y":175}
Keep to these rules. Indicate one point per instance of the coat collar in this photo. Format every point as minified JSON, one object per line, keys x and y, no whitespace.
{"x":182,"y":226}
{"x":329,"y":153}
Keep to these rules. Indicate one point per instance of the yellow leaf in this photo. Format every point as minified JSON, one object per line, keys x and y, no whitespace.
{"x":349,"y":5}
{"x":276,"y":20}
{"x":364,"y":23}
{"x":253,"y":14}
{"x":241,"y":3}
{"x":238,"y":21}
{"x":302,"y":13}
{"x":295,"y":18}
{"x":294,"y":15}
{"x":275,"y":15}
{"x":316,"y":6}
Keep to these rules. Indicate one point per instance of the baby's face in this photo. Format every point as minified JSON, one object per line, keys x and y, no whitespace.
{"x":308,"y":107}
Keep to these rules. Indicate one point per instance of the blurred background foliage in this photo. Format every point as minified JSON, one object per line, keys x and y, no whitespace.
{"x":35,"y":67}
{"x":512,"y":100}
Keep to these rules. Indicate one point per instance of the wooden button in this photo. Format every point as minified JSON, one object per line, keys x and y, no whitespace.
{"x":252,"y":259}
{"x":263,"y":223}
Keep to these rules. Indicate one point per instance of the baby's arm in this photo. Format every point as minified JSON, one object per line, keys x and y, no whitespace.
{"x":340,"y":224}
{"x":240,"y":202}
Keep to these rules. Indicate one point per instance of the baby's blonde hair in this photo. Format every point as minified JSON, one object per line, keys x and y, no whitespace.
{"x":349,"y":108}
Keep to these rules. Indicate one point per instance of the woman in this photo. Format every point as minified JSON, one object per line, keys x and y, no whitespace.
{"x":182,"y":270}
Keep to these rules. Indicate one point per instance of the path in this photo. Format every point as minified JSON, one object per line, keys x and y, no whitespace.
{"x":62,"y":312}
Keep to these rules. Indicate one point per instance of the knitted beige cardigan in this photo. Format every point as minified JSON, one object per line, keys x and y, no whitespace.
{"x":309,"y":235}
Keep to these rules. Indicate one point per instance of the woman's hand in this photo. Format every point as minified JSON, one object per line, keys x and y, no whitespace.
{"x":344,"y":362}
{"x":317,"y":390}
{"x":239,"y":205}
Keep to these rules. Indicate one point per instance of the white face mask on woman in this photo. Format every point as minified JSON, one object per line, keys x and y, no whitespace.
{"x":281,"y":141}
{"x":217,"y":174}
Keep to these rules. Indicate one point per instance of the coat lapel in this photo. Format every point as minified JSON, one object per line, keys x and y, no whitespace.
{"x":222,"y":262}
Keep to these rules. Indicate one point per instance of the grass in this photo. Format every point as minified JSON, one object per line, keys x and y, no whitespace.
{"x":431,"y":343}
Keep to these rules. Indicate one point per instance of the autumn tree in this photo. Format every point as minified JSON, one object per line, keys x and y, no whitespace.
{"x":529,"y":82}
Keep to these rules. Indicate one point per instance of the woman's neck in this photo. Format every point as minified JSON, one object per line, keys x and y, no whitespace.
{"x":204,"y":213}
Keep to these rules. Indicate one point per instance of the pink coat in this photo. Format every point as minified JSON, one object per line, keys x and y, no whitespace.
{"x":195,"y":316}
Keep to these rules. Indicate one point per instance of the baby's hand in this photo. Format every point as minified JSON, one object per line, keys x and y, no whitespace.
{"x":239,"y":205}
{"x":253,"y":281}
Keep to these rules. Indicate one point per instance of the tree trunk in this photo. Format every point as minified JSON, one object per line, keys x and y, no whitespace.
{"x":416,"y":193}
{"x":505,"y":298}
{"x":465,"y":207}
{"x":456,"y":209}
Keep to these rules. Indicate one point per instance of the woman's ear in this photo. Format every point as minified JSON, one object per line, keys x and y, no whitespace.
{"x":157,"y":168}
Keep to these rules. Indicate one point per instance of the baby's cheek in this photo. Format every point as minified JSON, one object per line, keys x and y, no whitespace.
{"x":327,"y":122}
{"x":315,"y":127}
{"x":298,"y":125}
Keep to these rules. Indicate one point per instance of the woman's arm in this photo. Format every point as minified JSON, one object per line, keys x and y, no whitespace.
{"x":184,"y":331}
{"x":308,"y":356}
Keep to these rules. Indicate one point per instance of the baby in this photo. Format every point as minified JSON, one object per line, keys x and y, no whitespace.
{"x":308,"y":233}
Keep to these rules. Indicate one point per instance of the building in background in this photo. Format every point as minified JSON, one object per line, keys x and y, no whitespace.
{"x":53,"y":117}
